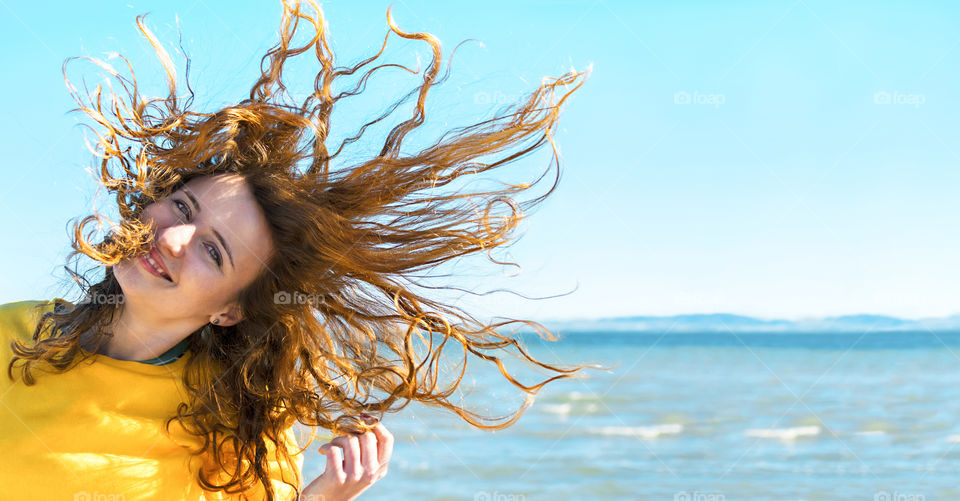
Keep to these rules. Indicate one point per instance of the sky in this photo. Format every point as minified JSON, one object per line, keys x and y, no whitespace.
{"x":787,"y":159}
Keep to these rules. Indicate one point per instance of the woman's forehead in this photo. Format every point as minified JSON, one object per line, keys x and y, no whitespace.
{"x":218,"y":186}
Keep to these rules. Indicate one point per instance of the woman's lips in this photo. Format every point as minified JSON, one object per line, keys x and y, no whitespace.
{"x":159,"y":271}
{"x":157,"y":258}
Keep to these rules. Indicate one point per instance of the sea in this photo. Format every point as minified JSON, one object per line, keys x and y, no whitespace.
{"x":695,"y":417}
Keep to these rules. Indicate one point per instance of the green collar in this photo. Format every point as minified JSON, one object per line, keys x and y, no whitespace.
{"x":171,"y":355}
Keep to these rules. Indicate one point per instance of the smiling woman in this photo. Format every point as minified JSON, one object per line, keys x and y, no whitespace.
{"x":191,"y":270}
{"x":183,"y":367}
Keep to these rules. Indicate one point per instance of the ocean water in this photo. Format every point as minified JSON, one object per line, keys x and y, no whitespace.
{"x":700,"y":417}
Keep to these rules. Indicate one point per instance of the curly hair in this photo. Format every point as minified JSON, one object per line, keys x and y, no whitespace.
{"x":352,"y":240}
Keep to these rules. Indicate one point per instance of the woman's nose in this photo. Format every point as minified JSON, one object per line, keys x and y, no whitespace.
{"x":175,"y":239}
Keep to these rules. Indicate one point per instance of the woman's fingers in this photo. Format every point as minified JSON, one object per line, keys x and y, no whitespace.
{"x":370,"y":460}
{"x":352,"y":466}
{"x":384,"y":444}
{"x":334,"y":462}
{"x":362,"y":463}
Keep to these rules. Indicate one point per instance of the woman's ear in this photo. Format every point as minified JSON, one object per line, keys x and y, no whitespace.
{"x":231,"y":315}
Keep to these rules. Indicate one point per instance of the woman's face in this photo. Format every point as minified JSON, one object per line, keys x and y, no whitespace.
{"x":212,"y":241}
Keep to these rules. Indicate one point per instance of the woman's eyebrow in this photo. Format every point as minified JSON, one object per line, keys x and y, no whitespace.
{"x":223,"y":242}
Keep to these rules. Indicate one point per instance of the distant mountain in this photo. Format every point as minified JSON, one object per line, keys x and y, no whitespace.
{"x":725,"y":322}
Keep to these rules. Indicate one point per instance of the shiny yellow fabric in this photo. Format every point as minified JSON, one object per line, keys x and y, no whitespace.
{"x":96,"y":432}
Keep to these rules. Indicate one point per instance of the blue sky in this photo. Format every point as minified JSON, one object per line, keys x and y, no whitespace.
{"x":776,"y":159}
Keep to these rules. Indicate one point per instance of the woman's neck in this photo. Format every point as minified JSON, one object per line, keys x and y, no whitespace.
{"x":136,"y":336}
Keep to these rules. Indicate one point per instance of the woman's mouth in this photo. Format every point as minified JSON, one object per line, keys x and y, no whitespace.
{"x":153,"y":263}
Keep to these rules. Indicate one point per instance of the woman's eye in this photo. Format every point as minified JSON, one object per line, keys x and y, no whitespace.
{"x":184,"y":208}
{"x":211,"y":250}
{"x":215,"y":254}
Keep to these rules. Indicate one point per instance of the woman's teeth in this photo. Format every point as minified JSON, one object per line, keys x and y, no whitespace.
{"x":156,"y":266}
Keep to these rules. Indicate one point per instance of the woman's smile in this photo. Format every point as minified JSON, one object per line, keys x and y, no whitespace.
{"x":153,"y":263}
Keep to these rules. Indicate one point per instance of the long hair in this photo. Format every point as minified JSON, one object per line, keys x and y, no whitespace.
{"x":333,"y":325}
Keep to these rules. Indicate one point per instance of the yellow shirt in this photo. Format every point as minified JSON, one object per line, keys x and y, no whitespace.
{"x":96,"y":432}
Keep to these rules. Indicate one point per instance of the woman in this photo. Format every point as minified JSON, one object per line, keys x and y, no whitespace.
{"x":247,"y":286}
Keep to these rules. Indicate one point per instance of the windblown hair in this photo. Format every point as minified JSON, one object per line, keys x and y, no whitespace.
{"x":352,"y":240}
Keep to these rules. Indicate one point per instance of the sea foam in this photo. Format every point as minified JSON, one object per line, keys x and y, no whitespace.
{"x":647,"y":432}
{"x":562,"y":409}
{"x":784,"y":433}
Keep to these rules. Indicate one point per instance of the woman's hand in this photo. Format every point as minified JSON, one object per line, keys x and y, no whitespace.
{"x":365,"y":459}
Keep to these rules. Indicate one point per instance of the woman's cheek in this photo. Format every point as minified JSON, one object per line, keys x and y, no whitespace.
{"x":201,"y":274}
{"x":150,"y":214}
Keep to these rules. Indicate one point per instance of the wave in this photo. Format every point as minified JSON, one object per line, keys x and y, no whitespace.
{"x":784,"y":433}
{"x":562,"y":409}
{"x":576,"y":395}
{"x":647,"y":432}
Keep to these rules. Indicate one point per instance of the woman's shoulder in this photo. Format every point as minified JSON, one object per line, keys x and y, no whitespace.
{"x":19,"y":320}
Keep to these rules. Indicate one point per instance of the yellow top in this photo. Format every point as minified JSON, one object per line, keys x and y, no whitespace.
{"x":97,"y":430}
